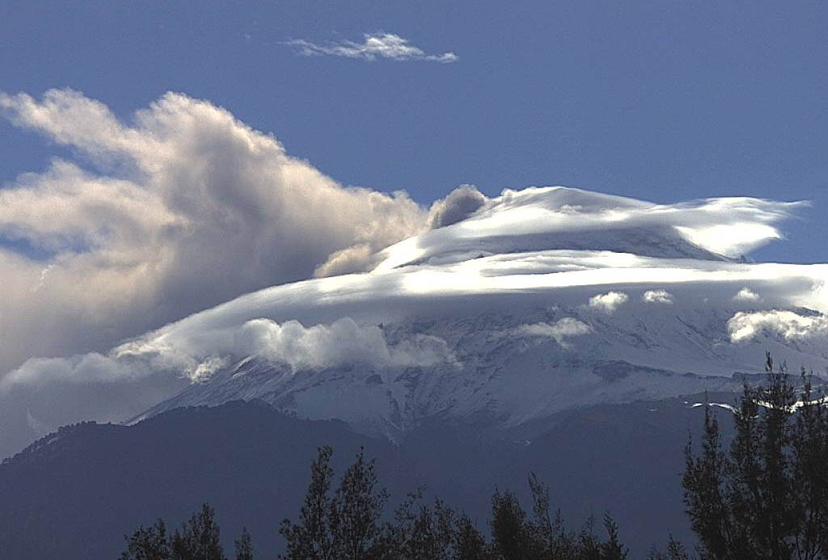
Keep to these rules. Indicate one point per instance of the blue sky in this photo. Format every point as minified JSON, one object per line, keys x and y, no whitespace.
{"x":659,"y":100}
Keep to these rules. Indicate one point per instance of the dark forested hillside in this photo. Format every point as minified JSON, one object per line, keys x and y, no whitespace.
{"x":75,"y":494}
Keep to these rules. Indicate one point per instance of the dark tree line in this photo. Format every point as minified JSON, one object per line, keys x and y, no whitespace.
{"x":347,"y":525}
{"x":763,"y":496}
{"x":197,"y":539}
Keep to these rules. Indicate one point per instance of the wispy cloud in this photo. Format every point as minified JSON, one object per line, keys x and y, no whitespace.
{"x":374,"y":46}
{"x":559,"y":331}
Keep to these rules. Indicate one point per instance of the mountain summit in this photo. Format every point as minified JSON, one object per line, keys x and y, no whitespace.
{"x":534,"y":302}
{"x":501,"y":314}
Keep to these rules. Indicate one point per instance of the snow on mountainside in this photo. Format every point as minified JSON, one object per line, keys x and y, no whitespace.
{"x":541,"y":300}
{"x":518,"y":307}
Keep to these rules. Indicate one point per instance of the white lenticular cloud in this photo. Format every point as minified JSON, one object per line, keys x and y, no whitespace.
{"x":178,"y":209}
{"x":373,"y":46}
{"x":744,"y":326}
{"x":657,"y":296}
{"x":553,"y":218}
{"x":559,"y":331}
{"x":746,"y":295}
{"x":608,"y":302}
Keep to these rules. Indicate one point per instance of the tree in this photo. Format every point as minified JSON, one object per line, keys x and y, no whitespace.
{"x":767,"y":497}
{"x":244,"y":546}
{"x":355,"y":512}
{"x":675,"y":551}
{"x":310,"y":538}
{"x":512,"y":539}
{"x":469,"y":543}
{"x":612,"y":549}
{"x":345,"y":526}
{"x":199,"y":538}
{"x":421,"y":530}
{"x":148,"y":543}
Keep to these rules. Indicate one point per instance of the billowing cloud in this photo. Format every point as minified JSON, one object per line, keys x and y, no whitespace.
{"x":657,"y":296}
{"x":461,"y":203}
{"x":43,"y":394}
{"x":559,"y":331}
{"x":341,"y":342}
{"x":173,"y":211}
{"x":792,"y":326}
{"x":609,"y":301}
{"x":373,"y":46}
{"x":746,"y":295}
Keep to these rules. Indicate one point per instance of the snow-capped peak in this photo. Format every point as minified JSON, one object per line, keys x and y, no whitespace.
{"x":517,"y":307}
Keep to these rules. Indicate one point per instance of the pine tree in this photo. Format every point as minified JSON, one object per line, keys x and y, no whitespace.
{"x":355,"y":512}
{"x":310,"y":538}
{"x":199,"y":538}
{"x":547,"y":529}
{"x":469,"y":543}
{"x":148,"y":543}
{"x":612,"y":549}
{"x":675,"y":551}
{"x":244,"y":546}
{"x":703,"y":482}
{"x":510,"y":534}
{"x":421,"y":530}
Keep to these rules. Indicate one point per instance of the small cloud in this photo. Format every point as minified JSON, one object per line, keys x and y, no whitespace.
{"x":608,"y":302}
{"x":746,"y":295}
{"x":657,"y":296}
{"x":374,"y":46}
{"x":559,"y":331}
{"x":791,"y":326}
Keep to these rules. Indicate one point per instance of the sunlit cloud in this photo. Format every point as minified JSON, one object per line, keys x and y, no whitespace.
{"x":746,"y":295}
{"x":374,"y":45}
{"x":657,"y":296}
{"x":791,"y":326}
{"x":177,"y":209}
{"x":609,"y":301}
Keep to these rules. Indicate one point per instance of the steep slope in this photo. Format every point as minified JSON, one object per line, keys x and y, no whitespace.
{"x":513,"y":365}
